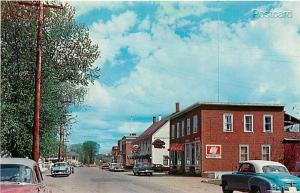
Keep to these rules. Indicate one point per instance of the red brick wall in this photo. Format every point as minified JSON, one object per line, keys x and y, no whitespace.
{"x":212,"y":133}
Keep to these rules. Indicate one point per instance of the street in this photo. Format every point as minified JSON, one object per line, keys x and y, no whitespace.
{"x":95,"y":180}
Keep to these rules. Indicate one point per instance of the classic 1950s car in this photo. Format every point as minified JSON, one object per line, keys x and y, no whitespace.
{"x":258,"y":176}
{"x":60,"y":168}
{"x":21,"y":175}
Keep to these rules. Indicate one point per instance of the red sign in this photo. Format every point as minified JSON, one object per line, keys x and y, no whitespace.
{"x":176,"y":147}
{"x":213,"y":151}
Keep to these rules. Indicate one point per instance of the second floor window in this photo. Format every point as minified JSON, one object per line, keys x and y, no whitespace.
{"x":248,"y":123}
{"x":178,"y":130}
{"x":268,"y":123}
{"x":182,"y":128}
{"x":227,"y":122}
{"x":173,"y":132}
{"x":188,"y":126}
{"x":195,"y":124}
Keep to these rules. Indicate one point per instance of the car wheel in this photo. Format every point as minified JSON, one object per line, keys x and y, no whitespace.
{"x":134,"y":173}
{"x":138,"y":173}
{"x":225,"y":188}
{"x":256,"y":190}
{"x":151,"y":174}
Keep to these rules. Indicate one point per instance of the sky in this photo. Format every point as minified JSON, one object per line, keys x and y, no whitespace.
{"x":154,"y":54}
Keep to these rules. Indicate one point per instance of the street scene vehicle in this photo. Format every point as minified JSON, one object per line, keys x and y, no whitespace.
{"x":116,"y":167}
{"x":60,"y":168}
{"x":105,"y":166}
{"x":21,"y":175}
{"x":142,"y":168}
{"x":258,"y":176}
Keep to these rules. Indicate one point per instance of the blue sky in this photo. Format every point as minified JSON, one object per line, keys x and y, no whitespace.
{"x":154,"y":54}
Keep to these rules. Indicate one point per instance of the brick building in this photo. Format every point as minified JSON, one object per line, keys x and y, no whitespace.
{"x":114,"y":153}
{"x":125,"y":147}
{"x":212,"y":138}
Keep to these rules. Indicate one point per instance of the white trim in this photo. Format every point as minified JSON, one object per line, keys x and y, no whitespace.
{"x":252,"y":117}
{"x":224,"y":123}
{"x":248,"y":151}
{"x":269,"y":147}
{"x":182,"y":128}
{"x":264,"y":128}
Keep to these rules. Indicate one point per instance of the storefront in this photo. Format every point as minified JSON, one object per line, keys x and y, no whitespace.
{"x":192,"y":157}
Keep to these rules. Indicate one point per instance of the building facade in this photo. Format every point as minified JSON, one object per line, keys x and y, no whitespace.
{"x":146,"y":151}
{"x":213,"y":138}
{"x":125,"y":147}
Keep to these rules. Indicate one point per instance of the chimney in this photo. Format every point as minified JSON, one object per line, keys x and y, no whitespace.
{"x":177,"y":107}
{"x":159,"y":117}
{"x":154,"y":119}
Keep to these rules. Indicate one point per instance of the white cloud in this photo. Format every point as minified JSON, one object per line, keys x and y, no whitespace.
{"x":258,"y":63}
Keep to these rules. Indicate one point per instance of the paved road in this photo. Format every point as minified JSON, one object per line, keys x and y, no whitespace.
{"x":94,"y":180}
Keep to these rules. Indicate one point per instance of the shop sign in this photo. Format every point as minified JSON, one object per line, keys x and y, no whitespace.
{"x":213,"y":151}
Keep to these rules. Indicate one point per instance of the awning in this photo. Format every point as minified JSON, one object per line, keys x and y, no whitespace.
{"x":145,"y":156}
{"x":291,"y":140}
{"x":176,"y":147}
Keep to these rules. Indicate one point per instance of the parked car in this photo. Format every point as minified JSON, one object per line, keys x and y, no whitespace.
{"x":21,"y":175}
{"x":60,"y":168}
{"x":105,"y":166}
{"x":116,"y":167}
{"x":258,"y":176}
{"x":142,"y":168}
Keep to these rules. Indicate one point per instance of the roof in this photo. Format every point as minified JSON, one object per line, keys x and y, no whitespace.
{"x":222,"y":104}
{"x":19,"y":161}
{"x":290,"y":120}
{"x":259,"y":164}
{"x":152,"y":129}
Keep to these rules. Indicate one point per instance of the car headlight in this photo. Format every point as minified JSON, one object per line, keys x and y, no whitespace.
{"x":275,"y":187}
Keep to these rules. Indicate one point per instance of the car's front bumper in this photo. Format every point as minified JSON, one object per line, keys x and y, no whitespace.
{"x":279,"y":191}
{"x":60,"y":172}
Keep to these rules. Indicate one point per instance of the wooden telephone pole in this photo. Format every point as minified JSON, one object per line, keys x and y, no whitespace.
{"x":36,"y":133}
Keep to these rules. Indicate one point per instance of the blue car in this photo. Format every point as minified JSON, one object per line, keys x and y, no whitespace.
{"x":258,"y":176}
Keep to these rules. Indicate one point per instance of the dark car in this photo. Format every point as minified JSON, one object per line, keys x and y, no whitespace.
{"x":105,"y":166}
{"x":21,"y":175}
{"x":258,"y":176}
{"x":142,"y":168}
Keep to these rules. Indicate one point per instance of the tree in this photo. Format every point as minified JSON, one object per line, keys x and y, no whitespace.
{"x":90,"y":150}
{"x":67,"y":57}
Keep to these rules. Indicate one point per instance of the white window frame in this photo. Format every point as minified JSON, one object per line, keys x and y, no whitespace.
{"x":224,"y":122}
{"x":178,"y":130}
{"x":182,"y":128}
{"x":271,"y":123}
{"x":195,"y":123}
{"x":245,"y":128}
{"x":240,"y":148}
{"x":188,"y":126}
{"x":269,"y":147}
{"x":173,"y":131}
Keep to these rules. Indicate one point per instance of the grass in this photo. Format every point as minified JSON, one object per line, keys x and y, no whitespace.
{"x":215,"y":182}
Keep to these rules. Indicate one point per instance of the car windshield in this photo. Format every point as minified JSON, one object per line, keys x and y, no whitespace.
{"x":59,"y":164}
{"x":273,"y":168}
{"x":15,"y":173}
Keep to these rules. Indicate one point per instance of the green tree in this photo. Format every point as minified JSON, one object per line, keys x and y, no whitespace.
{"x":67,"y":57}
{"x":90,"y":149}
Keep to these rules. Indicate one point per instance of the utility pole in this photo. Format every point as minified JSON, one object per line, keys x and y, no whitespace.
{"x":36,"y":132}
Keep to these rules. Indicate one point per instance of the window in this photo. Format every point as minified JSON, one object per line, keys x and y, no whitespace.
{"x":173,"y":131}
{"x":268,"y":123}
{"x":187,"y":154}
{"x":195,"y":124}
{"x":266,"y":152}
{"x":165,"y":160}
{"x":188,"y":126}
{"x":182,"y":128}
{"x":246,"y":167}
{"x":227,"y":123}
{"x":244,"y":153}
{"x":178,"y":130}
{"x":248,"y":123}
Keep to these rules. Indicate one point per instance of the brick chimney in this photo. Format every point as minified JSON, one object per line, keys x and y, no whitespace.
{"x":177,"y":107}
{"x":154,"y":119}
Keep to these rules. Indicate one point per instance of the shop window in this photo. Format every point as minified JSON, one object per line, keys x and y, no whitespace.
{"x":244,"y":152}
{"x":188,"y":126}
{"x":248,"y":123}
{"x":165,"y":160}
{"x":227,"y":122}
{"x":266,"y":152}
{"x":268,"y":123}
{"x":197,"y":153}
{"x":187,"y":154}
